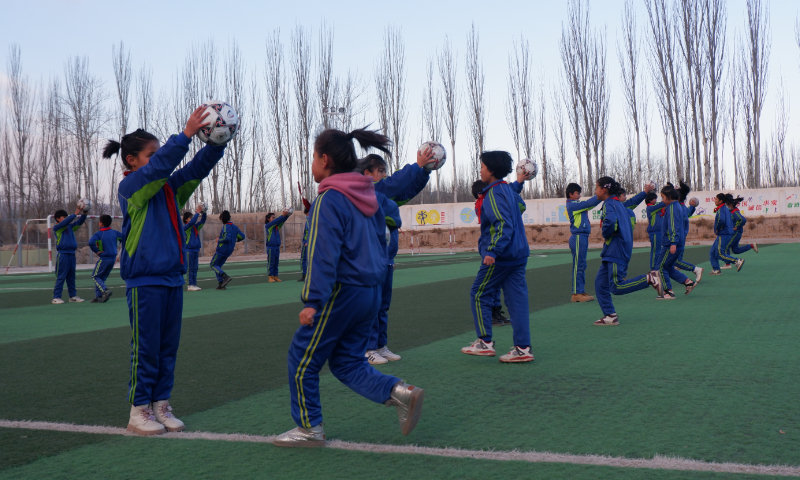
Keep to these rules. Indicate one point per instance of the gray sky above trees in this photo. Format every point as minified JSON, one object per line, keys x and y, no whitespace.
{"x":159,"y":33}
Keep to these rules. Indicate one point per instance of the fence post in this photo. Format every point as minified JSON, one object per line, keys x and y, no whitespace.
{"x":245,"y":239}
{"x":19,"y":233}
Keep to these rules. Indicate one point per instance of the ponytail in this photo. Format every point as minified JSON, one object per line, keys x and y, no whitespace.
{"x":609,"y":184}
{"x":683,"y":191}
{"x":130,"y":144}
{"x":734,"y":202}
{"x":340,"y":149}
{"x":670,"y":192}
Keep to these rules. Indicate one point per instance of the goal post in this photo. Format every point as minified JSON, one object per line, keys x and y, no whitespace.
{"x":418,"y":232}
{"x":50,"y":238}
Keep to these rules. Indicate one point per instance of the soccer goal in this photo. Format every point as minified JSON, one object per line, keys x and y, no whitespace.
{"x":432,"y":239}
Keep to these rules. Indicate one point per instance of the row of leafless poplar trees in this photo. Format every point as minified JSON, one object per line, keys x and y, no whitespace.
{"x":677,"y":61}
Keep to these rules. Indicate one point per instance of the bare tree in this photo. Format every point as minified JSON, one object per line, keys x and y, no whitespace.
{"x":236,"y":95}
{"x":546,"y":186}
{"x":476,"y":97}
{"x":277,"y":104}
{"x":22,"y":112}
{"x":690,"y":40}
{"x":326,"y":89}
{"x":451,"y":102}
{"x":716,"y":16}
{"x":122,"y":76}
{"x":755,"y":60}
{"x":559,"y":182}
{"x":144,"y":92}
{"x":300,"y":60}
{"x":629,"y":63}
{"x":390,"y":82}
{"x":432,"y":114}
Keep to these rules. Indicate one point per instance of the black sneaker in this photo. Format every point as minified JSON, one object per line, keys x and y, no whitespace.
{"x":221,"y":286}
{"x":95,"y":300}
{"x":106,"y":295}
{"x":225,"y":280}
{"x":498,"y":318}
{"x":302,"y":278}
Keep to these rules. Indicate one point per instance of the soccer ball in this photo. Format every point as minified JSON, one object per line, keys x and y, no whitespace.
{"x":651,"y":184}
{"x":529,"y":167}
{"x":224,"y":123}
{"x":439,"y":155}
{"x":289,"y":209}
{"x":84,"y":204}
{"x":694,"y":202}
{"x":202,"y":207}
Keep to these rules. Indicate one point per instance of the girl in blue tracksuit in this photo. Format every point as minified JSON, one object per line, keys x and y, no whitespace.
{"x":681,"y":264}
{"x":342,"y":292}
{"x":673,"y":237}
{"x":723,"y":227}
{"x":229,"y":235}
{"x":617,"y":249}
{"x":631,"y":203}
{"x":580,"y":228}
{"x":653,"y":226}
{"x":738,"y":228}
{"x":374,"y":166}
{"x":64,"y":233}
{"x":153,"y":261}
{"x":272,"y":227}
{"x":505,"y":251}
{"x":104,"y":244}
{"x":192,"y":226}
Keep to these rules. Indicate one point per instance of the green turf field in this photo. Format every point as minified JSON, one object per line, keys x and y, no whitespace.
{"x":711,"y":376}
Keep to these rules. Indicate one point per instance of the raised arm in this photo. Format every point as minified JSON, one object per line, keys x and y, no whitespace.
{"x":186,"y":180}
{"x":635,"y":200}
{"x":191,"y":223}
{"x":578,"y":207}
{"x":404,"y":184}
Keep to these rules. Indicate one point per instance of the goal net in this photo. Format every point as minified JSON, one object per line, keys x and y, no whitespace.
{"x":432,"y":239}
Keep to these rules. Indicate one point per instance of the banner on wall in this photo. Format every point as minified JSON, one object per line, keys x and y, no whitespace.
{"x":553,"y":211}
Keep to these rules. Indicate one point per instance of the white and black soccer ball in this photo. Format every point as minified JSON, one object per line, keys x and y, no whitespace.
{"x":201,"y":206}
{"x":289,"y":209}
{"x":528,"y":166}
{"x":224,"y":123}
{"x":651,"y":183}
{"x":439,"y":155}
{"x":84,"y":204}
{"x":694,"y":202}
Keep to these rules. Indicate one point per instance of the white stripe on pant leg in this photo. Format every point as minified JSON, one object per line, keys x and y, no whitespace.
{"x":658,"y":462}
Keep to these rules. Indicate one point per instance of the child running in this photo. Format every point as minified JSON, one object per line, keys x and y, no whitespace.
{"x":228,"y":236}
{"x":580,"y":228}
{"x":681,"y":264}
{"x":153,"y":261}
{"x":505,"y":251}
{"x":104,"y":244}
{"x":673,"y":236}
{"x":342,"y":292}
{"x":64,"y":231}
{"x":617,"y":249}
{"x":192,"y":226}
{"x":272,"y":227}
{"x":738,"y":228}
{"x":653,"y":226}
{"x":723,"y":228}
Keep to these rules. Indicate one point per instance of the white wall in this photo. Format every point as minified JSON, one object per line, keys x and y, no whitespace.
{"x":760,"y":202}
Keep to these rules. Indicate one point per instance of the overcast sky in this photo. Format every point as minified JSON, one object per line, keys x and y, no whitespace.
{"x":158,"y":33}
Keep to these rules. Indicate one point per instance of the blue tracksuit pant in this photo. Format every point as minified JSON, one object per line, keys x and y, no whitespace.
{"x":339,"y":336}
{"x":682,"y":264}
{"x":100,"y":273}
{"x":155,"y":315}
{"x":304,"y":258}
{"x":666,"y":267}
{"x":735,"y":248}
{"x":193,"y":261}
{"x":611,"y":280}
{"x":720,"y":250}
{"x":273,"y":255}
{"x":579,"y":245}
{"x":217,"y":261}
{"x":655,"y":248}
{"x":379,"y":336}
{"x":65,"y":271}
{"x":511,"y":279}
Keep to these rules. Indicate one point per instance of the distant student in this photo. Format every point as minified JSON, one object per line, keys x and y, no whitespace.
{"x":192,"y":226}
{"x":228,"y":236}
{"x":64,"y":233}
{"x":723,"y":228}
{"x":580,"y":228}
{"x":617,"y":249}
{"x":673,"y":226}
{"x":498,"y":318}
{"x":738,"y":229}
{"x":342,"y":292}
{"x":652,"y":211}
{"x":631,"y":203}
{"x":272,"y":227}
{"x":681,"y":264}
{"x":505,"y":251}
{"x":153,"y":261}
{"x":104,"y":244}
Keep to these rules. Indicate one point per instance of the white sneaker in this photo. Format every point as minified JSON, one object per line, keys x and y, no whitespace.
{"x":754,"y":246}
{"x":716,"y":272}
{"x":727,"y":266}
{"x":142,"y":421}
{"x":698,"y":274}
{"x":193,"y":288}
{"x":654,"y":279}
{"x":612,"y":319}
{"x":164,"y":416}
{"x":57,"y":301}
{"x":480,"y":348}
{"x":739,"y":264}
{"x":375,"y":358}
{"x":388,"y":354}
{"x":75,"y":299}
{"x":517,"y":355}
{"x":302,"y":437}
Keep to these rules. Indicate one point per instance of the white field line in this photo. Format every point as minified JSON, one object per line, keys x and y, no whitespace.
{"x":658,"y":462}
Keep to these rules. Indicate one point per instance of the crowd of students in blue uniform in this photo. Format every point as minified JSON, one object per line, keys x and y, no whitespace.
{"x":348,"y":248}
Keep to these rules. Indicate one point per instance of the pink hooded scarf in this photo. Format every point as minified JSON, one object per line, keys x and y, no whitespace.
{"x":358,"y":188}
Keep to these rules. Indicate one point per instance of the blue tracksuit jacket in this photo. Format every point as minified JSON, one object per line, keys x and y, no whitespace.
{"x":723,"y":225}
{"x":151,"y":199}
{"x":228,"y":236}
{"x":654,"y":219}
{"x":578,"y":213}
{"x":104,"y":242}
{"x":391,"y":214}
{"x":673,"y":226}
{"x":273,"y":233}
{"x":738,"y":220}
{"x":502,"y":232}
{"x":617,"y":232}
{"x":64,"y":233}
{"x":404,"y":184}
{"x":192,"y":230}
